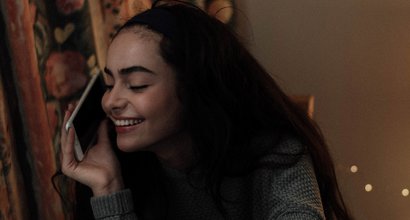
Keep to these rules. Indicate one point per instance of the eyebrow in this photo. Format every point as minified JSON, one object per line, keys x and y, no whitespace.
{"x":129,"y":70}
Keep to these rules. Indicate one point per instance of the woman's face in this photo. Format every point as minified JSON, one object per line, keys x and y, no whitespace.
{"x":141,"y":96}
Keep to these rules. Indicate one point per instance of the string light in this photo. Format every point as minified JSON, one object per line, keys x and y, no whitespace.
{"x":368,"y":187}
{"x":354,"y":169}
{"x":405,"y":192}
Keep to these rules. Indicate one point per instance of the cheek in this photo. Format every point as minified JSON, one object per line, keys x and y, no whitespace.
{"x":156,"y":104}
{"x":104,"y":102}
{"x":165,"y":105}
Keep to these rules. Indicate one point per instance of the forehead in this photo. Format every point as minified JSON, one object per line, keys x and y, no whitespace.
{"x":134,"y":45}
{"x":142,"y":32}
{"x":135,"y":35}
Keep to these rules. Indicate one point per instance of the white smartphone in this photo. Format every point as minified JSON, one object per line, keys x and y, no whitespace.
{"x":87,"y":116}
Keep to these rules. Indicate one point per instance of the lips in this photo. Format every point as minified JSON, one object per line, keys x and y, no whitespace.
{"x":124,"y":126}
{"x":127,"y":122}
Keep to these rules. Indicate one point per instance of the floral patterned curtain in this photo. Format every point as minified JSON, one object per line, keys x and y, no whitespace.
{"x":51,"y":54}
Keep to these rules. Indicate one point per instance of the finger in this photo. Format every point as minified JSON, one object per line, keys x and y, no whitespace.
{"x":71,"y":107}
{"x":67,"y":115}
{"x":103,"y":132}
{"x":63,"y":127}
{"x":68,"y":161}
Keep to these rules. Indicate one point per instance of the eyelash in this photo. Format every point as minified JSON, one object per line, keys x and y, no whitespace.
{"x":138,"y":88}
{"x":133,"y":88}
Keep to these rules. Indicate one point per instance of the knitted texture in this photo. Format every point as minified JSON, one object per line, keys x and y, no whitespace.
{"x":115,"y":206}
{"x":286,"y":193}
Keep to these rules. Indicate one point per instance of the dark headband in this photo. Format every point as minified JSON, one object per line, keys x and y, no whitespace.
{"x":156,"y":19}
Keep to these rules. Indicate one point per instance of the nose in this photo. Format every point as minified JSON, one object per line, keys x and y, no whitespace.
{"x":114,"y":102}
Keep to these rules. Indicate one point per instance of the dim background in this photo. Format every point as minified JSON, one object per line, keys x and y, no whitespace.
{"x":354,"y":57}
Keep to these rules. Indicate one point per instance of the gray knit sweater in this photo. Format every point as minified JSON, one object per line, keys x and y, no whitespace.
{"x":287,"y":193}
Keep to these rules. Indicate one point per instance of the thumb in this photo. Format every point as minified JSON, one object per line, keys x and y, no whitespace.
{"x":103,"y":132}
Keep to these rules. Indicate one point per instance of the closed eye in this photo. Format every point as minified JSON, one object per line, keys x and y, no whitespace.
{"x":138,"y":88}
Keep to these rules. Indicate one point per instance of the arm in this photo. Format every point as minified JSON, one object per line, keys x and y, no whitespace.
{"x":287,"y":192}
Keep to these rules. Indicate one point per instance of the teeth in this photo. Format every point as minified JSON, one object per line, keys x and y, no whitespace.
{"x":127,"y":122}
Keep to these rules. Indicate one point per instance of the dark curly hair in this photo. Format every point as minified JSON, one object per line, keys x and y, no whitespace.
{"x":228,"y":98}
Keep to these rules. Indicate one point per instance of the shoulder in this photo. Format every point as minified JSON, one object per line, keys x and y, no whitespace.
{"x":287,"y":166}
{"x":285,"y":149}
{"x":278,"y":143}
{"x":286,"y":183}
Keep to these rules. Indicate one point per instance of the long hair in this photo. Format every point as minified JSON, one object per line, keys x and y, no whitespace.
{"x":228,"y":98}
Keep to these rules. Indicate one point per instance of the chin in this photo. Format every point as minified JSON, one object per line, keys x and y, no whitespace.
{"x":129,"y":147}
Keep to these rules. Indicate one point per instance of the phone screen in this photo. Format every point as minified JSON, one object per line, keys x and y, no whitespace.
{"x":89,"y":115}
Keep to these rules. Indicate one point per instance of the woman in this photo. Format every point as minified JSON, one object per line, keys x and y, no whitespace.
{"x":208,"y":133}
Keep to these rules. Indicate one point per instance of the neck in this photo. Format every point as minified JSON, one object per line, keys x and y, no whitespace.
{"x":177,"y":153}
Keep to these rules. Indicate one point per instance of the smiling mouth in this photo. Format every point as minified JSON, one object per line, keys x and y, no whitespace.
{"x":127,"y":122}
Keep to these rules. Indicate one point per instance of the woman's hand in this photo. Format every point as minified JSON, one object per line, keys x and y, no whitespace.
{"x":99,"y":169}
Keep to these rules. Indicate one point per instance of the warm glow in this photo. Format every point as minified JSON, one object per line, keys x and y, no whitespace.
{"x":368,"y":187}
{"x":354,"y":169}
{"x":405,"y":192}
